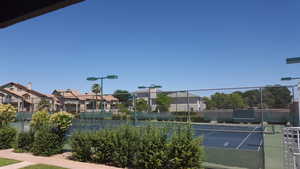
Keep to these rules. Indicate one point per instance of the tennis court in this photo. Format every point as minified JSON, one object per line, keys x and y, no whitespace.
{"x":234,"y":137}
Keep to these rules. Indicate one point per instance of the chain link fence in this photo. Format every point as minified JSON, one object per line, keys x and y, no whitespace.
{"x":230,"y":120}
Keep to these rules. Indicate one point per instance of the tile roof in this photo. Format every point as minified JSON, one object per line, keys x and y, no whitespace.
{"x":74,"y":94}
{"x":25,"y":88}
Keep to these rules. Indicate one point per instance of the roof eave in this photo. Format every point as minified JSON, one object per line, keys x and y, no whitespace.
{"x":39,"y":12}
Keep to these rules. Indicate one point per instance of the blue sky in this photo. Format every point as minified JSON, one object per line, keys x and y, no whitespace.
{"x":178,"y":44}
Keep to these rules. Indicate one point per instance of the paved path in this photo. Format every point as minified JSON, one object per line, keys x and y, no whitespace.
{"x":58,"y":160}
{"x":18,"y":165}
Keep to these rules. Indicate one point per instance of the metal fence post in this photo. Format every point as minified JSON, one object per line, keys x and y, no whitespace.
{"x":188,"y":105}
{"x":262,"y":128}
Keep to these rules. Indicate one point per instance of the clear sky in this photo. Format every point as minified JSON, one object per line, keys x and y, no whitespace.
{"x":179,"y":44}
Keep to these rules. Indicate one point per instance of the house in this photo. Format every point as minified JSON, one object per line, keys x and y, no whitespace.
{"x":182,"y":101}
{"x":148,"y":95}
{"x":24,"y":98}
{"x":73,"y":101}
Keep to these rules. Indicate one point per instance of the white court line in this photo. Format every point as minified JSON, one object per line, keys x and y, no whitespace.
{"x":245,"y":139}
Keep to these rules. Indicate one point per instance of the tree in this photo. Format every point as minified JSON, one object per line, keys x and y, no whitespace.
{"x":277,"y":97}
{"x":7,"y":114}
{"x":221,"y":101}
{"x":141,"y":105}
{"x":124,"y":97}
{"x":237,"y":101}
{"x":252,"y":98}
{"x":163,"y":102}
{"x":123,"y":108}
{"x":225,"y":101}
{"x":96,"y":88}
{"x":210,"y":104}
{"x":44,"y":105}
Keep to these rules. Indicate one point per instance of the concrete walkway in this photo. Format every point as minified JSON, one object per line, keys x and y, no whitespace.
{"x":58,"y":160}
{"x":17,"y":165}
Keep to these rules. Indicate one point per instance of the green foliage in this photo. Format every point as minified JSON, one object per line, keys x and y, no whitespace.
{"x":236,"y":101}
{"x":47,"y":142}
{"x":141,"y":105}
{"x":123,"y":108}
{"x":184,"y":151}
{"x":252,"y":98}
{"x":273,"y":97}
{"x":277,"y":97}
{"x":44,"y":105}
{"x":7,"y":114}
{"x":49,"y":132}
{"x":225,"y":101}
{"x":62,"y":121}
{"x":153,"y":152}
{"x":24,"y":141}
{"x":140,"y":148}
{"x":96,"y":88}
{"x":163,"y":102}
{"x":40,"y":119}
{"x":81,"y":144}
{"x":124,"y":97}
{"x":7,"y":137}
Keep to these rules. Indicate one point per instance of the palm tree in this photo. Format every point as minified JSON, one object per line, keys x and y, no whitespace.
{"x":96,"y":88}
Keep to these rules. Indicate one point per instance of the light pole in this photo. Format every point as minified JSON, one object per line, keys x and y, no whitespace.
{"x":153,"y":86}
{"x":298,"y":86}
{"x":102,"y":78}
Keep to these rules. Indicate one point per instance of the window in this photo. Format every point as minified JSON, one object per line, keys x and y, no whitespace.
{"x":26,"y":96}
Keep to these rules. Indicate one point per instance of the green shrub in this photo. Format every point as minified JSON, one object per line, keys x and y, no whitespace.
{"x":47,"y":142}
{"x":152,"y":152}
{"x":124,"y":138}
{"x":40,"y":119}
{"x":7,"y":137}
{"x":7,"y":114}
{"x":24,"y":141}
{"x":184,"y":152}
{"x":140,"y":148}
{"x":62,"y":121}
{"x":81,"y":143}
{"x":103,"y":147}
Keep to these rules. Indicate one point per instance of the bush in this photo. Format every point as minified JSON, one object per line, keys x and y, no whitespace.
{"x":47,"y":142}
{"x":141,"y":148}
{"x":61,"y":121}
{"x":184,"y":151}
{"x":39,"y":120}
{"x":7,"y":137}
{"x":152,"y":152}
{"x":81,"y":144}
{"x":7,"y":114}
{"x":24,"y":141}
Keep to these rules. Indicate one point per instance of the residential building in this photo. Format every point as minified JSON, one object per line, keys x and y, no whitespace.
{"x":182,"y":101}
{"x":73,"y":101}
{"x":24,"y":98}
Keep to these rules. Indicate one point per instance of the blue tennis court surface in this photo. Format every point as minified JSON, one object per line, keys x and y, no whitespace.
{"x":234,"y":137}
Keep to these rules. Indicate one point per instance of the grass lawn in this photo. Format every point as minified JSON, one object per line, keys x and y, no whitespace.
{"x":4,"y":162}
{"x":274,"y":149}
{"x":42,"y":166}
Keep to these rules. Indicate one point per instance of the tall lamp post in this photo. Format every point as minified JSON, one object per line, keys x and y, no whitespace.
{"x":102,"y":78}
{"x":294,"y":78}
{"x":153,"y":86}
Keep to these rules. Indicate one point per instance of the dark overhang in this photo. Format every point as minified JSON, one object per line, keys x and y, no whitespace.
{"x":14,"y":11}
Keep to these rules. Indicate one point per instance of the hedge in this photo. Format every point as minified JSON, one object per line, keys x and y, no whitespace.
{"x":140,"y":148}
{"x":7,"y":137}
